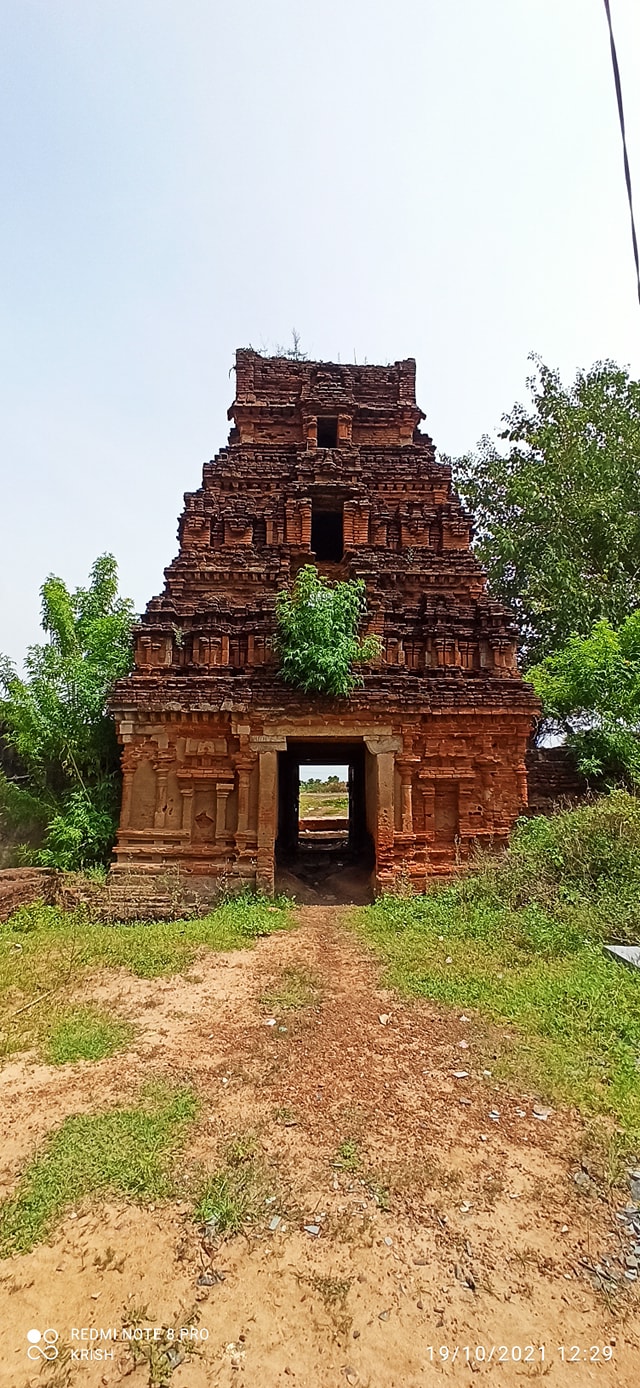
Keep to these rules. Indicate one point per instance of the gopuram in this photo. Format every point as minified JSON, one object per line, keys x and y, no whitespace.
{"x":325,"y":465}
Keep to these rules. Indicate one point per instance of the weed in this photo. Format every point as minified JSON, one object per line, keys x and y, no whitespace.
{"x":287,"y":1117}
{"x":347,"y":1157}
{"x":605,"y":1153}
{"x":296,"y":988}
{"x":107,"y":1260}
{"x":435,"y":1176}
{"x":333,"y":1291}
{"x":163,"y":1354}
{"x":84,"y":1033}
{"x":380,"y":1192}
{"x":226,"y":1201}
{"x":124,"y":1151}
{"x":492,"y":1187}
{"x":232,"y":1197}
{"x":241,"y":1149}
{"x":137,"y":1315}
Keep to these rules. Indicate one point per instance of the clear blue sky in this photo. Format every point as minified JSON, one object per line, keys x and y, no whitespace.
{"x":434,"y":178}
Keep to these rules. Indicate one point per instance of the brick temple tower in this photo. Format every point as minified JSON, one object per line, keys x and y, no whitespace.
{"x":325,"y":464}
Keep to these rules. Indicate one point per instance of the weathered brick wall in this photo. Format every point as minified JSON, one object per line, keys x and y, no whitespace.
{"x":21,"y":886}
{"x":553,"y":779}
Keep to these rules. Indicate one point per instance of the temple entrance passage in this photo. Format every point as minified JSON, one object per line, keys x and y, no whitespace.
{"x":323,"y":838}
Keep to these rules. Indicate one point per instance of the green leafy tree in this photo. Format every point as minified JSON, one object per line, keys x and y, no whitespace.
{"x":590,"y":691}
{"x":317,"y":634}
{"x":557,"y":506}
{"x":56,"y":723}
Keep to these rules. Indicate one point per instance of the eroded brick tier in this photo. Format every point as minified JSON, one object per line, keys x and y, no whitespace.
{"x":332,"y":456}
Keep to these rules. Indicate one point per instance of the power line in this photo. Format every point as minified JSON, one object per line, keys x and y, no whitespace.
{"x":627,"y":172}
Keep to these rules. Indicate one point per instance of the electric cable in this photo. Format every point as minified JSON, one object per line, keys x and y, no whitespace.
{"x":627,"y":171}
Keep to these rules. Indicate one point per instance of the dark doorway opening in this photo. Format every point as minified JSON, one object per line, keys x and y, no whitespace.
{"x":328,"y":432}
{"x":327,"y":540}
{"x":324,"y":856}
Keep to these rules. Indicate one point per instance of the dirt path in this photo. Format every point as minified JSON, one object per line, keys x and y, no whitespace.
{"x":438,"y":1226}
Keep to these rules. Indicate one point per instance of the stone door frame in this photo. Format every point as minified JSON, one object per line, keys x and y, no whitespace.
{"x":380,"y":742}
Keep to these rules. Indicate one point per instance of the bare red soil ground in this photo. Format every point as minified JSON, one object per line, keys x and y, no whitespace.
{"x":438,"y":1227}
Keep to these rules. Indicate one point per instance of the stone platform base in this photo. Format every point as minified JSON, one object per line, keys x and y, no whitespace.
{"x":160,"y":894}
{"x":127,"y":895}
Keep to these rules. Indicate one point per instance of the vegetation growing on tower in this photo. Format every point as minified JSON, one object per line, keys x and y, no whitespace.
{"x":317,"y":636}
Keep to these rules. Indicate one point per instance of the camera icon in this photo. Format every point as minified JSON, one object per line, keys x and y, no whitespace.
{"x":42,"y":1344}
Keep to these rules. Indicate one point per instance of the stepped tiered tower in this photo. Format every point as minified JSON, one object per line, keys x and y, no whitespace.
{"x":325,"y":464}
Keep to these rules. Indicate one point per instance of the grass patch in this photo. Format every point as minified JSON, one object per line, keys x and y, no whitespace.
{"x":351,"y":1161}
{"x":84,"y":1033}
{"x":347,"y":1157}
{"x":234,"y":1196}
{"x":524,"y":934}
{"x":120,"y":1152}
{"x":44,"y":950}
{"x":316,"y":806}
{"x":295,"y":988}
{"x":332,"y":1290}
{"x":286,"y":1117}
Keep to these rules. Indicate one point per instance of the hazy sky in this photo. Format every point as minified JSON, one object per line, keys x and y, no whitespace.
{"x":430,"y":178}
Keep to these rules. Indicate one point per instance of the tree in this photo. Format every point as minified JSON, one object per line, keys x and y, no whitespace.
{"x":558,"y":510}
{"x":55,"y":719}
{"x":590,"y":691}
{"x":317,"y":634}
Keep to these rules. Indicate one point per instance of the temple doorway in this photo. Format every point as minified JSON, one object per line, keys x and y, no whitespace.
{"x":324,"y":841}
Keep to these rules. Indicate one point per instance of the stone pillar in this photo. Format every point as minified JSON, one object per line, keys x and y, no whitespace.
{"x":406,"y":802}
{"x":384,"y":750}
{"x":187,"y":808}
{"x":223,"y":791}
{"x":127,"y":793}
{"x":161,"y":798}
{"x":385,"y":769}
{"x":428,"y":787}
{"x":305,"y":524}
{"x":523,"y":789}
{"x":345,"y":429}
{"x":385,"y":819}
{"x":267,"y":820}
{"x":244,"y":774}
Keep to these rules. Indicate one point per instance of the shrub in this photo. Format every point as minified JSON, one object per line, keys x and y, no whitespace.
{"x":317,"y":635}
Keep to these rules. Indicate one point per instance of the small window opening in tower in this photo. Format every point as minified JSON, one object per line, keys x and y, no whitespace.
{"x":326,"y":534}
{"x":328,"y":432}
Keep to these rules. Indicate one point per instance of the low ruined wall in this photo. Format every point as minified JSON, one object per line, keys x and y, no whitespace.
{"x":553,"y":779}
{"x":126,"y":895}
{"x":21,"y":886}
{"x":326,"y":823}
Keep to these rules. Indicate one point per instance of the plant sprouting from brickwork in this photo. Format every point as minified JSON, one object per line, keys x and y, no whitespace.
{"x":317,"y":637}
